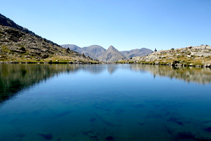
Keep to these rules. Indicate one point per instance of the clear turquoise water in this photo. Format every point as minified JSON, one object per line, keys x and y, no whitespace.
{"x":105,"y":102}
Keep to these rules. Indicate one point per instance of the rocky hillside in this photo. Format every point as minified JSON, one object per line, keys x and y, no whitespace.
{"x":97,"y":52}
{"x":136,"y":52}
{"x":18,"y":44}
{"x":7,"y":22}
{"x":111,"y":55}
{"x":198,"y":56}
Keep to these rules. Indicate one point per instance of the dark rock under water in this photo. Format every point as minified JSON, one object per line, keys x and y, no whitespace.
{"x":109,"y":138}
{"x":185,"y":136}
{"x":46,"y":136}
{"x":208,"y":129}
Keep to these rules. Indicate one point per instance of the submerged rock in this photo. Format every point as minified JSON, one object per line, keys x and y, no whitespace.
{"x":185,"y":136}
{"x":208,"y":129}
{"x":46,"y":136}
{"x":109,"y":138}
{"x":177,"y":121}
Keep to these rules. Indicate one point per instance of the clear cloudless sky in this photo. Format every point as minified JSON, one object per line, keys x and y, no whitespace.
{"x":125,"y":24}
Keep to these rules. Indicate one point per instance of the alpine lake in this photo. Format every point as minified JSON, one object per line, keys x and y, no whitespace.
{"x":104,"y":103}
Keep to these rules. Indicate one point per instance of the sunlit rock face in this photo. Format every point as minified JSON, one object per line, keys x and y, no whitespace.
{"x":189,"y":56}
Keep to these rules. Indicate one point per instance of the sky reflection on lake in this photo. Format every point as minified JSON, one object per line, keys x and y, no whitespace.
{"x":104,"y":102}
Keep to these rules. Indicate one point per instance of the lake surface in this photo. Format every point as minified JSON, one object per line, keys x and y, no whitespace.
{"x":104,"y":102}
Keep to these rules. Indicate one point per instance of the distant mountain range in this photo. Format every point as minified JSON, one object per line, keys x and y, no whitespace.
{"x":109,"y":55}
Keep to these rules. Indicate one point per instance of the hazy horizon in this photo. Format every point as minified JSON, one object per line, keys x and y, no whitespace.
{"x":126,"y":25}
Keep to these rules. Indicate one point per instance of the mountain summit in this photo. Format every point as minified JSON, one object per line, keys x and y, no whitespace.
{"x":111,"y":55}
{"x":112,"y":48}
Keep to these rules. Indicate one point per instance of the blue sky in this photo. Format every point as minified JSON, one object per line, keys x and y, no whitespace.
{"x":125,"y":24}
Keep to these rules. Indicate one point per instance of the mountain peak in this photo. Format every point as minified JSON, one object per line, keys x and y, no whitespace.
{"x":112,"y":48}
{"x":111,"y":55}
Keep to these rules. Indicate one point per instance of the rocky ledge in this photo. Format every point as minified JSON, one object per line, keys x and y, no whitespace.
{"x":198,"y":56}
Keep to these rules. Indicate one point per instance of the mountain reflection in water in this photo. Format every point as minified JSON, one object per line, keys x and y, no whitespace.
{"x":104,"y":102}
{"x":198,"y":75}
{"x":14,"y":77}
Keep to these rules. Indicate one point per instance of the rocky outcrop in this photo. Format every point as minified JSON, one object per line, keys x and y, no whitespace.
{"x":198,"y":56}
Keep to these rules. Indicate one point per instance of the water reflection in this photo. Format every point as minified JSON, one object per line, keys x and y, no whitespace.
{"x":14,"y":78}
{"x":123,"y":102}
{"x":112,"y":68}
{"x":94,"y":69}
{"x":199,"y":75}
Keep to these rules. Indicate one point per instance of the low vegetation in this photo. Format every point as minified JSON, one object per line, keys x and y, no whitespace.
{"x":199,"y":56}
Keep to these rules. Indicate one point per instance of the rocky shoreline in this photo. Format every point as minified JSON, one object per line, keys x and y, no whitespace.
{"x":50,"y":62}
